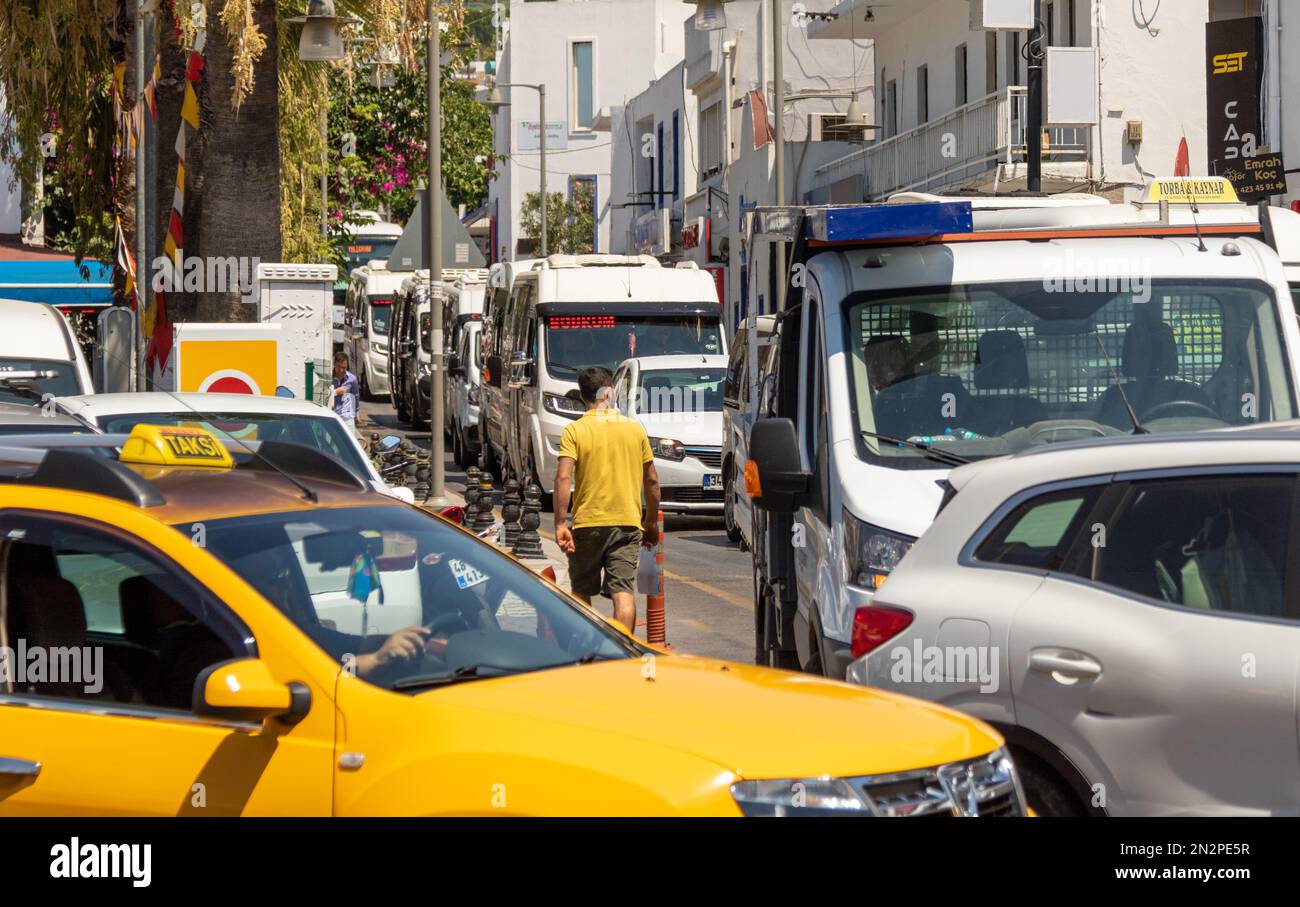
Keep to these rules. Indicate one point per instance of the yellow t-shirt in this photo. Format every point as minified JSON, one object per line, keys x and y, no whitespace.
{"x":609,"y":451}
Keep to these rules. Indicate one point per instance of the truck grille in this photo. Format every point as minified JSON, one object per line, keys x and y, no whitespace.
{"x":980,"y":787}
{"x":709,"y":456}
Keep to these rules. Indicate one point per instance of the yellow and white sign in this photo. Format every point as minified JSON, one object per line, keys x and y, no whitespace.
{"x":227,"y":358}
{"x":1203,"y":190}
{"x":174,"y":445}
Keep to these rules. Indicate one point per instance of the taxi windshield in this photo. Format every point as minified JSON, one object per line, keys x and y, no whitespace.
{"x":405,"y":600}
{"x":980,"y":370}
{"x":324,"y":433}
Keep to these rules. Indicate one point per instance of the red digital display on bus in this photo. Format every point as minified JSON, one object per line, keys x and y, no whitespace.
{"x":579,"y":322}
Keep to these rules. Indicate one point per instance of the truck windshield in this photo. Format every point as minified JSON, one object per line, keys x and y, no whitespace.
{"x":379,"y":314}
{"x":575,"y":342}
{"x":989,"y":369}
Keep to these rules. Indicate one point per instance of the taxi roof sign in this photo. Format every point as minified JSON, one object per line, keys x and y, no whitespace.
{"x":1185,"y":190}
{"x":175,"y":445}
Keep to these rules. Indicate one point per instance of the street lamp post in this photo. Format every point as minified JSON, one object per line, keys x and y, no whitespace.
{"x":494,"y":103}
{"x":437,"y":496}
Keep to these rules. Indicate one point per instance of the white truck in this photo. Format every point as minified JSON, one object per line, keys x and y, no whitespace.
{"x":924,"y":333}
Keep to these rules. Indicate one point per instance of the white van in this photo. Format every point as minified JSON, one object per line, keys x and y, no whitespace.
{"x":462,"y":306}
{"x":369,"y":238}
{"x":570,"y":312}
{"x":494,"y":390}
{"x":928,"y":333}
{"x":39,"y":354}
{"x":367,"y":312}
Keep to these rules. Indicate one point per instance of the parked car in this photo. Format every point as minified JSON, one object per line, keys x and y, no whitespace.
{"x":25,"y":419}
{"x":742,"y":399}
{"x":678,"y":399}
{"x":240,"y":416}
{"x":410,"y":351}
{"x":1126,"y":611}
{"x":246,"y":661}
{"x":39,"y":354}
{"x":368,"y":308}
{"x":569,"y":312}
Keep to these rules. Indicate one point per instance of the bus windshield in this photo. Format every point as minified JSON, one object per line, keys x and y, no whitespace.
{"x":575,"y":342}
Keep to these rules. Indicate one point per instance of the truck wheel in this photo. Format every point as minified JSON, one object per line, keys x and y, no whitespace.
{"x":729,"y":507}
{"x":399,"y":404}
{"x":365,"y":385}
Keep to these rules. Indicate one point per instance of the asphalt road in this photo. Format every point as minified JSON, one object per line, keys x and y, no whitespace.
{"x":709,"y":586}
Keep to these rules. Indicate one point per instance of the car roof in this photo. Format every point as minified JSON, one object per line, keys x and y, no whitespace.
{"x":1262,"y":444}
{"x":32,"y":414}
{"x":679,"y":360}
{"x":32,"y":330}
{"x":96,"y":405}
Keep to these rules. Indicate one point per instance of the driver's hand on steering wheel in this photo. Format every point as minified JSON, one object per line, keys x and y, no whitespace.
{"x":406,"y":644}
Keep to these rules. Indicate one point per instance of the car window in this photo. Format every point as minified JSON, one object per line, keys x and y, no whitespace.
{"x":1039,"y":532}
{"x":29,"y":380}
{"x":352,"y":577}
{"x":117,"y":623}
{"x":1213,"y":543}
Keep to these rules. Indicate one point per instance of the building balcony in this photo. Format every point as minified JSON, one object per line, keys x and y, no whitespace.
{"x":979,"y":143}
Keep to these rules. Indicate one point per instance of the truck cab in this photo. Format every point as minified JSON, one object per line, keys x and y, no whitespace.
{"x":921,"y":334}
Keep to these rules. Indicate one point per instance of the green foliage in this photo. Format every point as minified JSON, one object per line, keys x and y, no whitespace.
{"x":570,"y":222}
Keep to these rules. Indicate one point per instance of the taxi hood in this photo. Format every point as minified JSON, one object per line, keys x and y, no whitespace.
{"x":755,"y":722}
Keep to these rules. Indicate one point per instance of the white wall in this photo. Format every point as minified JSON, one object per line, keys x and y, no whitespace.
{"x":634,"y":40}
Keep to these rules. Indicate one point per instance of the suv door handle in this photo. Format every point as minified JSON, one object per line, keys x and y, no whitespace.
{"x":1065,"y":663}
{"x":18,"y":768}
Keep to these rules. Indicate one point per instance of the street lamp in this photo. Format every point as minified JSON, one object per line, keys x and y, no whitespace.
{"x":709,"y":14}
{"x":495,"y":102}
{"x":322,"y":42}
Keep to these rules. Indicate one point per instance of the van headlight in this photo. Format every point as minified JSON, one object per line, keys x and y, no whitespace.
{"x":668,"y":449}
{"x":564,"y":406}
{"x":475,"y":395}
{"x":872,"y":552}
{"x":799,"y":797}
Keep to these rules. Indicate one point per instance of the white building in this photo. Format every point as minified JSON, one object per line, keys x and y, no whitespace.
{"x":592,"y":55}
{"x":952,"y":98}
{"x":686,"y":163}
{"x":11,"y":215}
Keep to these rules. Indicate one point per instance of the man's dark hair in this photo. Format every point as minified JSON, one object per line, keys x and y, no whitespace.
{"x":591,"y":380}
{"x":340,"y":358}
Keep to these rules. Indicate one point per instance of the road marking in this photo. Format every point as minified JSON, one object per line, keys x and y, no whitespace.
{"x":722,"y":594}
{"x":695,"y":624}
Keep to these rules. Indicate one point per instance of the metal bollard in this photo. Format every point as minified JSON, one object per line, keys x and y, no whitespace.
{"x":485,"y":518}
{"x":511,"y":510}
{"x":655,"y":620}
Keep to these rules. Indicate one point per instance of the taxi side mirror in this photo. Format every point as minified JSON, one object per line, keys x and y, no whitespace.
{"x":244,"y":690}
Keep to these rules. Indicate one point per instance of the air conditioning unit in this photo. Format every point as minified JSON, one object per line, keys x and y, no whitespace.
{"x":1001,"y":15}
{"x":829,"y":127}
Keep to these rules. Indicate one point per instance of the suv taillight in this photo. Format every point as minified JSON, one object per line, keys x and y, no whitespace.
{"x":877,"y":624}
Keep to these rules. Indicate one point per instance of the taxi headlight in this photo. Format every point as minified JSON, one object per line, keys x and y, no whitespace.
{"x":799,"y":797}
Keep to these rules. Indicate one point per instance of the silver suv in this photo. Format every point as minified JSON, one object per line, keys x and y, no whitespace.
{"x":1125,"y":611}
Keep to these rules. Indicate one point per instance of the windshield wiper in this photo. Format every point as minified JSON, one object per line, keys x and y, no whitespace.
{"x":464,"y":672}
{"x":931,"y":452}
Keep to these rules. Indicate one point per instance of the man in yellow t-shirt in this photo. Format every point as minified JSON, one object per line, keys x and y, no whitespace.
{"x":606,"y":458}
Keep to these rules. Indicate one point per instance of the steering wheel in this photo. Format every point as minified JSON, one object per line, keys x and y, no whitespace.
{"x":1199,"y":409}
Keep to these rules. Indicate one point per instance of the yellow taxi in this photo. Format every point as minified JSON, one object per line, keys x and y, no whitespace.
{"x":189,"y":632}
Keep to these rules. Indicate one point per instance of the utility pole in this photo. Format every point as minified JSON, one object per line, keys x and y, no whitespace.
{"x":541,"y":111}
{"x":778,"y":97}
{"x":1034,"y":115}
{"x":437,"y":376}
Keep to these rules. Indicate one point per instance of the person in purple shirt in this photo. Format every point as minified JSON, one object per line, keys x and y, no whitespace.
{"x":347,"y":392}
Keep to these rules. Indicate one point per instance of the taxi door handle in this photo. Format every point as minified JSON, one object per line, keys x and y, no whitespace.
{"x":1064,"y":663}
{"x":18,"y":768}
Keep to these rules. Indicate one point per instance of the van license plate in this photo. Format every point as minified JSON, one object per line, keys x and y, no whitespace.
{"x":713,"y":480}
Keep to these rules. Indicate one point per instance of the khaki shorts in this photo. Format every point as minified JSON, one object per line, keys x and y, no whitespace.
{"x":613,"y":549}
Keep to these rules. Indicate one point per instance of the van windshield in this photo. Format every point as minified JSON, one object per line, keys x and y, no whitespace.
{"x":18,"y":386}
{"x":575,"y":342}
{"x":379,"y":315}
{"x":988,"y":369}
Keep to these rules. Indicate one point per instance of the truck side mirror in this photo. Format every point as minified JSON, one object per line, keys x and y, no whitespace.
{"x":453,"y":364}
{"x":493,"y":371}
{"x":775,"y":479}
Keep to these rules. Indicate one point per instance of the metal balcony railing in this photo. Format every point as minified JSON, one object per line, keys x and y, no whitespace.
{"x":955,"y":147}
